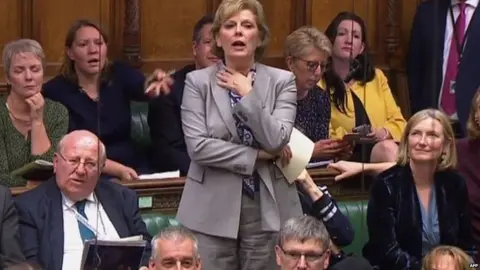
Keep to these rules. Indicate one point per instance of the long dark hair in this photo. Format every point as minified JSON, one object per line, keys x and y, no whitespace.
{"x":361,"y":70}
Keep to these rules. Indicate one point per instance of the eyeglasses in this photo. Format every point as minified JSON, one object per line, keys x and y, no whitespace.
{"x":295,"y":256}
{"x":75,"y":162}
{"x":313,"y":65}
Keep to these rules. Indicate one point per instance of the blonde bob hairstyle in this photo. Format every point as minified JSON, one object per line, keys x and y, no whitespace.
{"x":449,"y":158}
{"x":303,"y":39}
{"x":473,"y":128}
{"x":460,"y":258}
{"x":229,"y":8}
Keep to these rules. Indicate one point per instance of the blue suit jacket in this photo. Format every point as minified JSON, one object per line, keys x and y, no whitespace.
{"x":424,"y":63}
{"x":41,"y":220}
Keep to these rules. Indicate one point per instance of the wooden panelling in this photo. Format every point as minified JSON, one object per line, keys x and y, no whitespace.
{"x":279,"y":17}
{"x":158,"y":33}
{"x":167,"y":28}
{"x":323,"y":12}
{"x":10,"y":24}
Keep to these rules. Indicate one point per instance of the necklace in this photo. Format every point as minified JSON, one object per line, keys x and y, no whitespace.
{"x":15,"y":117}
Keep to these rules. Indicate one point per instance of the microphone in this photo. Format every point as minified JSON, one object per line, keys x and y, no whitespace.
{"x":355,"y":67}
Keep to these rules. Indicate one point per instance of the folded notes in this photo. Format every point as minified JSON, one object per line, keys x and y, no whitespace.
{"x":302,"y":150}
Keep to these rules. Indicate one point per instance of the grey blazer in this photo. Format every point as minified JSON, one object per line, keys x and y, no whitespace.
{"x":211,"y":199}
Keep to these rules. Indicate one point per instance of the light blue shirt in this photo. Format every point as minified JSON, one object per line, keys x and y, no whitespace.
{"x":430,"y":226}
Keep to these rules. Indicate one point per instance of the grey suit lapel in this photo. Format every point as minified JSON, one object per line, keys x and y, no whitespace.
{"x":222,"y":100}
{"x":262,"y":84}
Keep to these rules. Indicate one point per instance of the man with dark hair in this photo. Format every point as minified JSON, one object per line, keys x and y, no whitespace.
{"x":169,"y":150}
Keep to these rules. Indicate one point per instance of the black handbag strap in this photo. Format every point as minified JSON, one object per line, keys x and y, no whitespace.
{"x":361,"y":116}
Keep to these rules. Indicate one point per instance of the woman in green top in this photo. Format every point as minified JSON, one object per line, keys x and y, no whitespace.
{"x":30,"y":126}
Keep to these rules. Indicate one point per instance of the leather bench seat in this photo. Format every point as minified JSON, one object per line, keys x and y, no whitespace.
{"x":156,"y":222}
{"x":356,"y":211}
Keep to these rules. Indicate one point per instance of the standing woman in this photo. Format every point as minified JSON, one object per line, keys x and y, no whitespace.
{"x":237,"y":116}
{"x":97,"y":94}
{"x":30,"y":126}
{"x":421,"y":202}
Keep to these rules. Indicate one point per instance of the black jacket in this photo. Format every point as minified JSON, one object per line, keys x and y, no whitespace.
{"x":164,"y":119}
{"x":395,"y":222}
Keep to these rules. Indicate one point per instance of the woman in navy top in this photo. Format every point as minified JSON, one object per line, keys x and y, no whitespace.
{"x":307,"y":50}
{"x":97,"y":95}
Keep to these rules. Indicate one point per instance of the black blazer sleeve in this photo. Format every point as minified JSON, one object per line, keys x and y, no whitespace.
{"x":29,"y":232}
{"x":169,"y":149}
{"x":11,"y":252}
{"x":465,"y":237}
{"x":338,"y":226}
{"x":415,"y":62}
{"x":381,"y":223}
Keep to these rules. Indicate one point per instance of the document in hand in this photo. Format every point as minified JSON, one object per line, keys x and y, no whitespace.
{"x":302,"y":150}
{"x":123,"y":253}
{"x":40,"y":170}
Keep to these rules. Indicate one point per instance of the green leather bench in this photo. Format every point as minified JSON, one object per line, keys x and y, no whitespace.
{"x":356,"y":211}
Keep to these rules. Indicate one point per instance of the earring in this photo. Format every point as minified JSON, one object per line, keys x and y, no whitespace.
{"x":443,"y":156}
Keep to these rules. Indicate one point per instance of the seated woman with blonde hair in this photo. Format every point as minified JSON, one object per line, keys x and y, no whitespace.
{"x":447,"y":258}
{"x":468,"y":153}
{"x":30,"y":126}
{"x":421,"y":201}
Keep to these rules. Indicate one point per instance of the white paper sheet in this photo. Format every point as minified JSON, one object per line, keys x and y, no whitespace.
{"x":302,"y":150}
{"x":162,"y":175}
{"x":319,"y":164}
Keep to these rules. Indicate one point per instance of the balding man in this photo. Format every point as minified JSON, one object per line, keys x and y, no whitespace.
{"x":74,"y":206}
{"x":175,"y":248}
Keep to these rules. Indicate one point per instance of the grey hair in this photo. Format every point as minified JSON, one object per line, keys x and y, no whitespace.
{"x":21,"y":46}
{"x":175,"y":233}
{"x":101,"y":146}
{"x":302,"y":229}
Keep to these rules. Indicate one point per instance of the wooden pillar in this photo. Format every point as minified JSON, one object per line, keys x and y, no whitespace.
{"x":392,"y":38}
{"x":301,"y":14}
{"x":132,"y":33}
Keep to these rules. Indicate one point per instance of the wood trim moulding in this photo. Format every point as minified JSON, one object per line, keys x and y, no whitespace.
{"x":163,"y":195}
{"x":26,"y":13}
{"x":132,"y":33}
{"x":301,"y":14}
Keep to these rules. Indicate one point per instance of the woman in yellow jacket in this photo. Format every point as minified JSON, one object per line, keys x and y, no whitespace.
{"x":360,"y":94}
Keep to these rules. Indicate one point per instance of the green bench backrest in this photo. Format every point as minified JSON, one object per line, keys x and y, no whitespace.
{"x":356,"y":211}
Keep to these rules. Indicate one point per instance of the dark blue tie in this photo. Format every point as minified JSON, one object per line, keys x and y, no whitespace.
{"x":85,"y":232}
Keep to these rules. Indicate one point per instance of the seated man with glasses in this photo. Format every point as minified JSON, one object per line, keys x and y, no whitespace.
{"x":74,"y":206}
{"x":304,"y":243}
